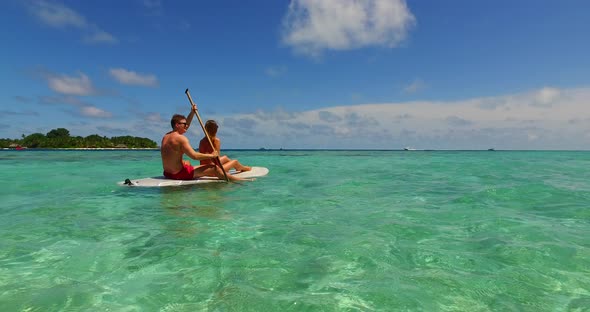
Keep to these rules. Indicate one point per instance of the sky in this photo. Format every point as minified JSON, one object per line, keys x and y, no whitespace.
{"x":303,"y":74}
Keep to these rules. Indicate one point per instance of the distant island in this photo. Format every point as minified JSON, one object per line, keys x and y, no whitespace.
{"x":60,"y":138}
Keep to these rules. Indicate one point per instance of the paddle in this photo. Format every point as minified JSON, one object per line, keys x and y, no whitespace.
{"x":194,"y":107}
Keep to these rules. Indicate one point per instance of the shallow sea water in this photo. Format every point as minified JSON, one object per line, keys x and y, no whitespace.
{"x":324,"y":231}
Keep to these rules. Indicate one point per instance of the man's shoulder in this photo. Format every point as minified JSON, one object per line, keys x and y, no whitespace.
{"x":179,"y":137}
{"x":175,"y":137}
{"x":169,"y":134}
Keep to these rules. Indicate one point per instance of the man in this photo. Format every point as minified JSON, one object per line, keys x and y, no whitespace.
{"x":175,"y":145}
{"x":204,"y":147}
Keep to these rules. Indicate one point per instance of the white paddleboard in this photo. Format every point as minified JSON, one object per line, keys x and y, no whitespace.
{"x":162,"y":181}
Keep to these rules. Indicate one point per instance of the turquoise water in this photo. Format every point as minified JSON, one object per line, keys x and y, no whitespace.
{"x":324,"y":231}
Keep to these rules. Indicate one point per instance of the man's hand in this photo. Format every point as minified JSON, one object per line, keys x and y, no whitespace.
{"x":214,"y":154}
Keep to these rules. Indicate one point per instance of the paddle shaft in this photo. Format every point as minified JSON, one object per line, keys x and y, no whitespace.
{"x":205,"y":131}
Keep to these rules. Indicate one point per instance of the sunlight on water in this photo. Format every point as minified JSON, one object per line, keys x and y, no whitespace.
{"x":324,"y":231}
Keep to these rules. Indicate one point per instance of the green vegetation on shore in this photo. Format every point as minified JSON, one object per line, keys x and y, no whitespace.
{"x":60,"y":138}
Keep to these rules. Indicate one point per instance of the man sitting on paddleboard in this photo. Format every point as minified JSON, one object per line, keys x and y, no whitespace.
{"x":204,"y":147}
{"x":175,"y":144}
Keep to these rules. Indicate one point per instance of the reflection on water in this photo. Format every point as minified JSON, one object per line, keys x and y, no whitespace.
{"x":191,"y":208}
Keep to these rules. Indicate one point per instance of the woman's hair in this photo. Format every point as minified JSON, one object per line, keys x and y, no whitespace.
{"x":211,"y":127}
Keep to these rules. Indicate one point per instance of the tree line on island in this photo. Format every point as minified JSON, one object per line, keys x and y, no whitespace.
{"x":60,"y":138}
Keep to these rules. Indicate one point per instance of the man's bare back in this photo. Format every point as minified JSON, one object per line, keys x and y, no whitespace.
{"x":171,"y":151}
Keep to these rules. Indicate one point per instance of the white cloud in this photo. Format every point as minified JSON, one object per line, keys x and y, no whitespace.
{"x":94,"y":112}
{"x":312,"y":26}
{"x":128,"y":77}
{"x":415,"y":86}
{"x":512,"y":121}
{"x":5,"y":113}
{"x":82,"y":108}
{"x":276,"y":71}
{"x":153,"y":8}
{"x":546,"y":96}
{"x":517,"y":122}
{"x":22,"y":99}
{"x":278,"y":114}
{"x":329,"y":117}
{"x":532,"y":136}
{"x":71,"y":85}
{"x":154,"y":117}
{"x":457,"y":121}
{"x":152,"y":3}
{"x":100,"y":36}
{"x":60,"y":16}
{"x":57,"y":15}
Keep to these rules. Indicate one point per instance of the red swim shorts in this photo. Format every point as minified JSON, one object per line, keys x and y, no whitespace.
{"x":186,"y":173}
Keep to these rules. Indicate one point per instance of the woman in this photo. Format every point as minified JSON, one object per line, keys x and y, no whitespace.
{"x":206,"y":148}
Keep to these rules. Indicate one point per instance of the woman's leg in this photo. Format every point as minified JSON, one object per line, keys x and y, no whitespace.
{"x":204,"y":170}
{"x":232,"y":163}
{"x":215,"y":171}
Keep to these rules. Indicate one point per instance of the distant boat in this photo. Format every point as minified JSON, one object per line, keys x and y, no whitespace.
{"x":491,"y":149}
{"x":17,"y":147}
{"x":409,"y":149}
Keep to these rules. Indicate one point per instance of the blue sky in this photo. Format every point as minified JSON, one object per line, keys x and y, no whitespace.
{"x":381,"y":74}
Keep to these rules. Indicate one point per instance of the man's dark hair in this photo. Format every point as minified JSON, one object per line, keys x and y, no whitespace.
{"x":175,"y":119}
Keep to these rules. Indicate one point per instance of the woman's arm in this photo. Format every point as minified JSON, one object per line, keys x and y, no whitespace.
{"x":217,"y":144}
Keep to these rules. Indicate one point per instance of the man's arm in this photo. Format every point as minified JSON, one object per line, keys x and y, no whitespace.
{"x":190,"y":152}
{"x":189,"y":119}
